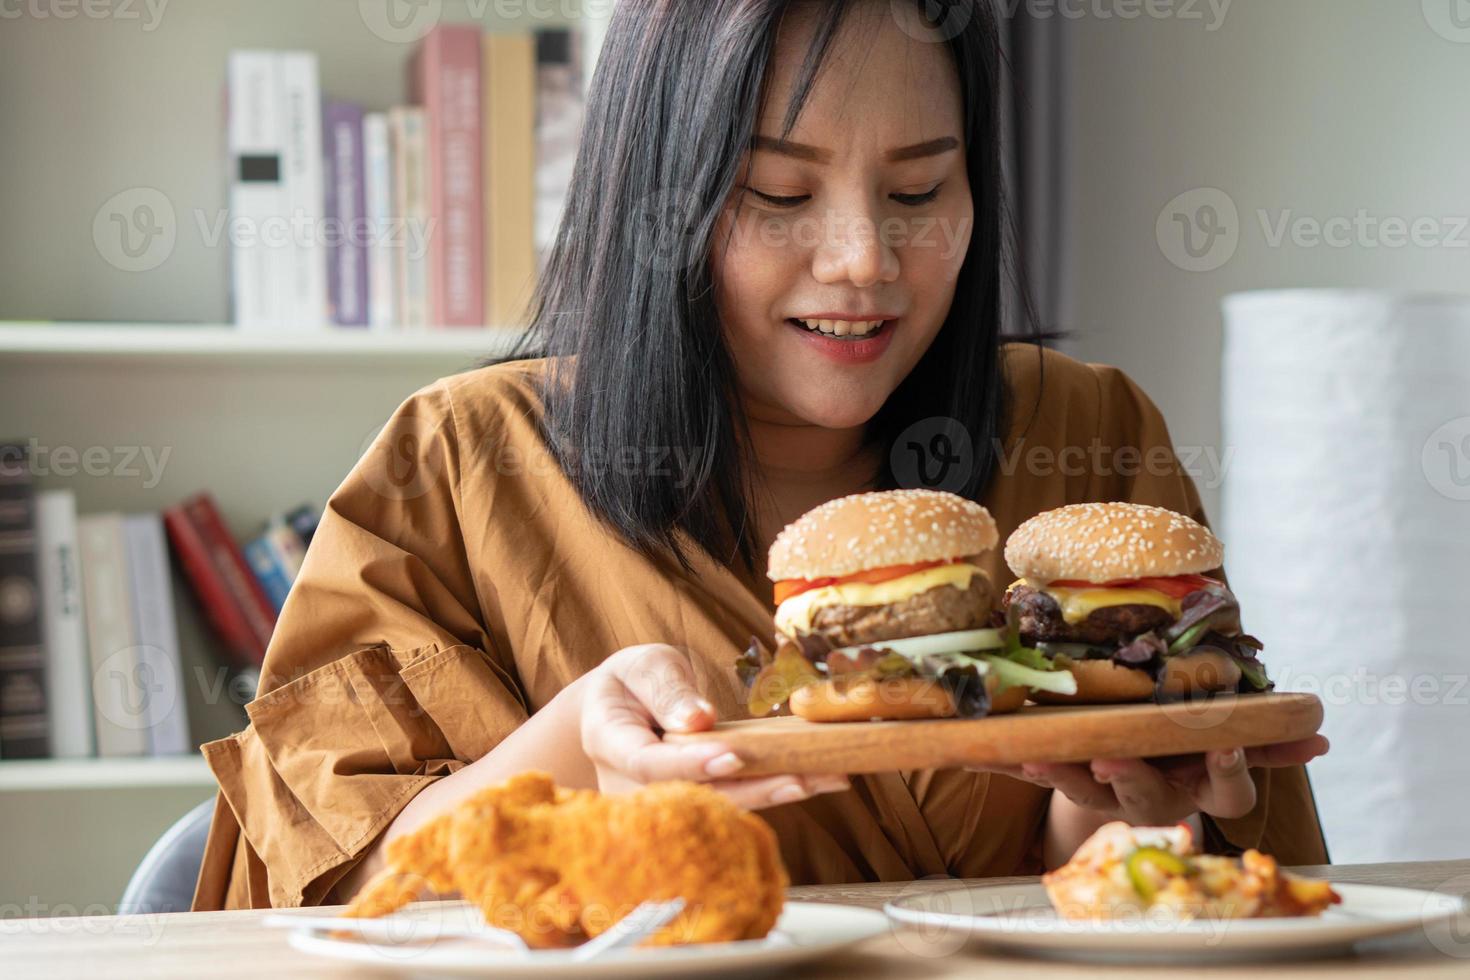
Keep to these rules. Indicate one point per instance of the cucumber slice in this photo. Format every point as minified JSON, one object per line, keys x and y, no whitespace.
{"x":960,"y":641}
{"x":1012,"y":674}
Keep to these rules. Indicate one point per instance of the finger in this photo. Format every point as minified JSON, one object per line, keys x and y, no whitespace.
{"x":660,"y":679}
{"x":616,"y":734}
{"x":1288,"y":753}
{"x":1229,"y":790}
{"x":1073,"y":781}
{"x":1142,"y":791}
{"x":759,"y":792}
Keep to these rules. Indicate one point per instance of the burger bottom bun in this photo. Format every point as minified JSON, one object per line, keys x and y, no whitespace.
{"x":1200,"y":672}
{"x":891,"y":699}
{"x":1102,"y":682}
{"x":1106,"y":682}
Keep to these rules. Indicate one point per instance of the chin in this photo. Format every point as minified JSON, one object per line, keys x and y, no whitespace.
{"x":838,"y":413}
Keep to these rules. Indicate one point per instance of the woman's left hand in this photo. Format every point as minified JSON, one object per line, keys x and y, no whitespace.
{"x":1166,"y":791}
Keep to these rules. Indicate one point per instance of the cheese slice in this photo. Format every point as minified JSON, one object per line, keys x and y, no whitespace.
{"x":1078,"y":604}
{"x":796,"y":612}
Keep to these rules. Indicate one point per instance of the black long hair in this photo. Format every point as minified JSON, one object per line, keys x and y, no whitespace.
{"x":625,"y":307}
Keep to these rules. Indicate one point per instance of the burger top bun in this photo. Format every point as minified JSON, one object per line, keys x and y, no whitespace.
{"x":872,"y":530}
{"x":1099,"y":542}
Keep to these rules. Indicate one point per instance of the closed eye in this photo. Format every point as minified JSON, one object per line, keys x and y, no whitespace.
{"x":909,"y":200}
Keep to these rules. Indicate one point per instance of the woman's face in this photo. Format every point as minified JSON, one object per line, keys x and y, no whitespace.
{"x":862,"y":214}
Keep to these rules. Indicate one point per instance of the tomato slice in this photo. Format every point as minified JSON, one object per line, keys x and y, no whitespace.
{"x":1176,"y":586}
{"x":788,"y":587}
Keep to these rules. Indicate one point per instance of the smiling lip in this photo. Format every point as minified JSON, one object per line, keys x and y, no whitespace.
{"x":851,"y":317}
{"x":870,"y":348}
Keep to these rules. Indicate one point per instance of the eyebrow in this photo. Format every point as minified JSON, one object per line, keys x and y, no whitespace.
{"x":802,"y":151}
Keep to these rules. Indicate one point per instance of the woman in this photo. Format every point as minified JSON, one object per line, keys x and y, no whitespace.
{"x":542,"y":563}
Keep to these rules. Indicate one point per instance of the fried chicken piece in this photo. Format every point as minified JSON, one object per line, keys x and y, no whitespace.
{"x":1124,"y":871}
{"x":559,"y":866}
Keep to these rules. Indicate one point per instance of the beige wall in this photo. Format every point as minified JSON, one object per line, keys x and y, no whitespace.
{"x":1316,"y":108}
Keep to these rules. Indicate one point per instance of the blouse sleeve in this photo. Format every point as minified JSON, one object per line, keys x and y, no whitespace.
{"x":381,"y":677}
{"x":1135,"y":460}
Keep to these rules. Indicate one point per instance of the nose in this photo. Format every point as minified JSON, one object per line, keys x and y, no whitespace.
{"x":852,"y":249}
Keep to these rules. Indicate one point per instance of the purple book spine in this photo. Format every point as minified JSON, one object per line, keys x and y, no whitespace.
{"x":347,"y":230}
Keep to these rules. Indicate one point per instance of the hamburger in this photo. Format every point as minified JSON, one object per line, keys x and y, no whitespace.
{"x":883,"y":613}
{"x":1115,"y":593}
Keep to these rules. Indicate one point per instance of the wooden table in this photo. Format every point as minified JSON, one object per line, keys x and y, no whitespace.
{"x":233,"y":944}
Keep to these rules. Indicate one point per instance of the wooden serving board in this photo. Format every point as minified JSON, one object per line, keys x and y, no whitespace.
{"x":1033,"y":734}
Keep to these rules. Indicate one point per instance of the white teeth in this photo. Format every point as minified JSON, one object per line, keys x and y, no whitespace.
{"x":842,"y":328}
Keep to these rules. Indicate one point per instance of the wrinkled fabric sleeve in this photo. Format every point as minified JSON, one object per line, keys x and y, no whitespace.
{"x":380,"y":678}
{"x":1136,"y":461}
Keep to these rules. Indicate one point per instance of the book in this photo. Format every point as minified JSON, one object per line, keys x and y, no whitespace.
{"x":68,"y":672}
{"x":559,"y":98}
{"x":160,"y":666}
{"x":257,"y":192}
{"x":303,"y":521}
{"x":268,"y":570}
{"x":408,"y":143}
{"x":277,"y":262}
{"x":346,"y":229}
{"x":25,"y":727}
{"x":117,"y":695}
{"x":301,"y":163}
{"x":383,"y":237}
{"x":445,"y":79}
{"x":508,"y":68}
{"x":232,"y":599}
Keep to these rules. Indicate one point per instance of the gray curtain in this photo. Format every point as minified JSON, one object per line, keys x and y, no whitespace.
{"x":1036,"y":130}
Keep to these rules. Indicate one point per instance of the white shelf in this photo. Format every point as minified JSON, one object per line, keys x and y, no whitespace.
{"x":20,"y":775}
{"x":221,"y":342}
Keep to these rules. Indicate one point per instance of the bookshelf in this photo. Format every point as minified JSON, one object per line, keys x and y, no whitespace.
{"x":94,"y":356}
{"x":221,"y":343}
{"x":47,"y":775}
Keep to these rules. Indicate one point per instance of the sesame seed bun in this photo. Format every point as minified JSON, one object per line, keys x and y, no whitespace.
{"x":873,"y":530}
{"x":1109,"y":682}
{"x":1099,"y":542}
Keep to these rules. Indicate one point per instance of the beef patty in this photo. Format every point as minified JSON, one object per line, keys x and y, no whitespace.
{"x":1041,"y":619}
{"x":942,"y":609}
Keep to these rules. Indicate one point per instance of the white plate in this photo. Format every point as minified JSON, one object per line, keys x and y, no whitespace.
{"x":805,"y":931}
{"x":1019,"y":918}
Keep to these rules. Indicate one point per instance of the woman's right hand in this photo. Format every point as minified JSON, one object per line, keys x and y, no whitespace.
{"x":643,"y":690}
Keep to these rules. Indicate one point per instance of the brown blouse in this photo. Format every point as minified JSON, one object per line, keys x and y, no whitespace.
{"x":457,"y":583}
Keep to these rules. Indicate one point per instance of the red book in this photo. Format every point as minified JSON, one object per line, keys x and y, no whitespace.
{"x":233,"y":601}
{"x":445,"y":79}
